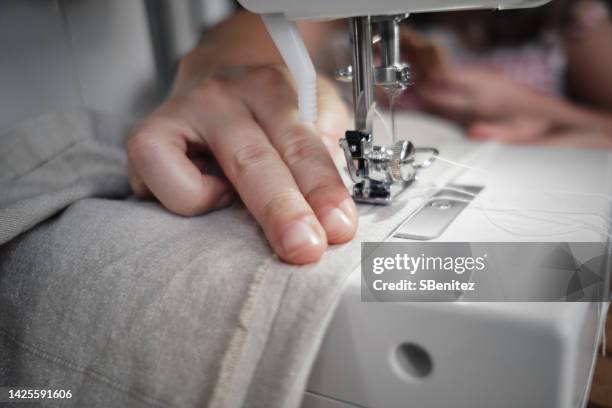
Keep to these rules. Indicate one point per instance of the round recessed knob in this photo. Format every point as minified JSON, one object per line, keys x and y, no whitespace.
{"x":399,"y":166}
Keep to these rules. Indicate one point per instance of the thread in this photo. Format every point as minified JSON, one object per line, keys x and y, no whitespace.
{"x":393,"y":99}
{"x":384,"y":123}
{"x":577,"y":225}
{"x":567,"y":220}
{"x":526,"y":213}
{"x":462,"y":165}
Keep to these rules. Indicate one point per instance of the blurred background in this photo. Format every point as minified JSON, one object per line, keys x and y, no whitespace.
{"x":119,"y":57}
{"x":116,"y":56}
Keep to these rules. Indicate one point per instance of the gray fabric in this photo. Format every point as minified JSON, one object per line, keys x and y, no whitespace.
{"x":52,"y":161}
{"x":129,"y":305}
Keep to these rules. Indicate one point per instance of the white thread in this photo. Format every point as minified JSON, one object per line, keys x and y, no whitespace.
{"x":578,"y":225}
{"x":465,"y":166}
{"x":383,"y":122}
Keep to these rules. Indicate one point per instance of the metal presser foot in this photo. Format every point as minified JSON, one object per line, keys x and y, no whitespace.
{"x":377,"y":171}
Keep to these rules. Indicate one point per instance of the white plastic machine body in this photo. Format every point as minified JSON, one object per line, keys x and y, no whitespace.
{"x":333,"y":9}
{"x":476,"y":354}
{"x":463,"y":354}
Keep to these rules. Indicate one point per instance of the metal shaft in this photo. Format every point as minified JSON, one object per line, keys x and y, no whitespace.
{"x":363,"y":71}
{"x":389,"y":42}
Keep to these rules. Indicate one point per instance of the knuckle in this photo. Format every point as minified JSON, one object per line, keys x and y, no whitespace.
{"x":212,"y":93}
{"x":283,"y":203}
{"x":187,"y":61}
{"x":300,"y":147}
{"x":328,"y":190}
{"x":141,"y":144}
{"x":251,"y":156}
{"x":266,"y":77}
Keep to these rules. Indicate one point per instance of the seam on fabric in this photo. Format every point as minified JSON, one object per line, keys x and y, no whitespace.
{"x":231,"y":356}
{"x":272,"y":324}
{"x":102,"y":378}
{"x":332,"y":301}
{"x":46,"y":161}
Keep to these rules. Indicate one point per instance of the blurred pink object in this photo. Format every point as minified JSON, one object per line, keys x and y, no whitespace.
{"x":539,"y":65}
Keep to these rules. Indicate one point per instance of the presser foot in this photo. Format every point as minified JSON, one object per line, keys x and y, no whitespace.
{"x":379,"y":172}
{"x":374,"y":192}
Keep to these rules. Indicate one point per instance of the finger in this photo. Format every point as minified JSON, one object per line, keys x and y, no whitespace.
{"x":457,"y":78}
{"x":139,"y":187}
{"x":516,"y":130}
{"x":157,"y":153}
{"x":425,"y":56}
{"x":578,"y":138}
{"x":266,"y":186}
{"x":452,"y":104}
{"x":301,"y":149}
{"x":211,"y":167}
{"x":332,"y":118}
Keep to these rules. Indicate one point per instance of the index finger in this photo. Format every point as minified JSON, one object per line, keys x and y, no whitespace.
{"x":157,"y":151}
{"x":303,"y":152}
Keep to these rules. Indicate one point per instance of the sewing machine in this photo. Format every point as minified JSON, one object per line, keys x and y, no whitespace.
{"x":473,"y":354}
{"x":459,"y":354}
{"x":377,"y":172}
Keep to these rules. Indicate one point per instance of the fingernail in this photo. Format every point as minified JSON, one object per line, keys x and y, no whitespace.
{"x":299,"y":235}
{"x":337,"y":221}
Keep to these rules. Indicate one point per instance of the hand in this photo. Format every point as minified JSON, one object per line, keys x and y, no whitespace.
{"x":239,"y":132}
{"x":467,"y":95}
{"x":493,"y":107}
{"x":532,"y":131}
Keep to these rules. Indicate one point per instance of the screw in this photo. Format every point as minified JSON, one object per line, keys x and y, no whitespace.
{"x":405,"y":77}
